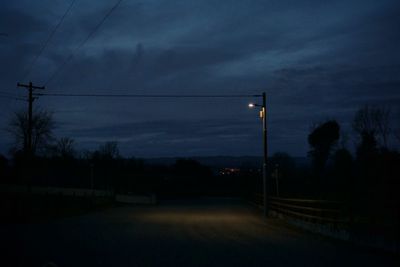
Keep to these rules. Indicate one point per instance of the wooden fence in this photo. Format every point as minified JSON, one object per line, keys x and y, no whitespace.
{"x":310,"y":210}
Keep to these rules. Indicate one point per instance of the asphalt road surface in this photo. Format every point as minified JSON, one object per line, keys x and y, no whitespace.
{"x":202,"y":232}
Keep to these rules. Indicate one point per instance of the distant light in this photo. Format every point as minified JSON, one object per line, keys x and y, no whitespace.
{"x":251,"y":105}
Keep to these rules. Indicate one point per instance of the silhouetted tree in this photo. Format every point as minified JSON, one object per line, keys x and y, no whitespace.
{"x":3,"y":167}
{"x":373,"y":123}
{"x":42,"y":130}
{"x":109,"y":150}
{"x":397,"y":134}
{"x":321,"y":140}
{"x":368,"y":146}
{"x":342,"y":160}
{"x":64,"y":148}
{"x":343,"y":171}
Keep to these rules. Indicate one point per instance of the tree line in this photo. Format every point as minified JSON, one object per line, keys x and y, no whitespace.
{"x":365,"y":179}
{"x":336,"y":172}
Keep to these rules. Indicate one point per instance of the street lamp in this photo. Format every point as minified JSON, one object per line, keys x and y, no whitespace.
{"x":263,"y":116}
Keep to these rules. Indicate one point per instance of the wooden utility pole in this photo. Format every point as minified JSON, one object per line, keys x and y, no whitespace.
{"x":30,"y":87}
{"x":263,"y":116}
{"x":265,"y":150}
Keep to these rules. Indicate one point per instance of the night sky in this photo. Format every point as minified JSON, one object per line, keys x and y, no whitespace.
{"x":316,"y":60}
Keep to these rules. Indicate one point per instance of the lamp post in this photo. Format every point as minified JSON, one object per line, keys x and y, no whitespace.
{"x":263,"y":116}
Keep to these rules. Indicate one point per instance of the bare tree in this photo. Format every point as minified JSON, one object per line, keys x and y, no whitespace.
{"x":109,"y":150}
{"x":384,"y":124}
{"x":397,"y":134}
{"x":65,"y":147}
{"x":374,"y":122}
{"x":396,"y":131}
{"x":42,"y":130}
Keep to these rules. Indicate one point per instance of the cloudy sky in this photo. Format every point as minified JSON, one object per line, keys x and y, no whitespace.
{"x":316,"y":60}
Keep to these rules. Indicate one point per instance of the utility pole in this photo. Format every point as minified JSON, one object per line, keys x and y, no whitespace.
{"x":265,"y":150}
{"x":276,"y":174}
{"x":30,"y":87}
{"x":263,"y":116}
{"x":92,"y":176}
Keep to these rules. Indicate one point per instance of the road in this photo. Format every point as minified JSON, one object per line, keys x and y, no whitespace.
{"x":203,"y":232}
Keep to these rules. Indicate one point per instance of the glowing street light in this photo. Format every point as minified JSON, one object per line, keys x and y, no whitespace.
{"x":263,"y":116}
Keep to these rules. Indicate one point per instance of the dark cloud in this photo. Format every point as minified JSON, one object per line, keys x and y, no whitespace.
{"x":152,"y":137}
{"x":315,"y":59}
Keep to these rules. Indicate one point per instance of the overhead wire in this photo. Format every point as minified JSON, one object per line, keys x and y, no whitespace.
{"x":55,"y":73}
{"x":12,"y":97}
{"x":6,"y":93}
{"x":9,"y":95}
{"x":149,"y":95}
{"x":29,"y":69}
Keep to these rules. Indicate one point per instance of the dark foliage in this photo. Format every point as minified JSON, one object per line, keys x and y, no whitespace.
{"x":42,"y":130}
{"x":322,"y":139}
{"x":368,"y":184}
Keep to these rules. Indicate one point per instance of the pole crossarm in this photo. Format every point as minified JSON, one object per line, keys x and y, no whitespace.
{"x":30,"y":86}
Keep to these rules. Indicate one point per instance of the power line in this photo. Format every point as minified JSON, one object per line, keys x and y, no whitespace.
{"x":6,"y":93}
{"x":147,"y":96}
{"x":83,"y":43}
{"x":48,"y":39}
{"x":12,"y":97}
